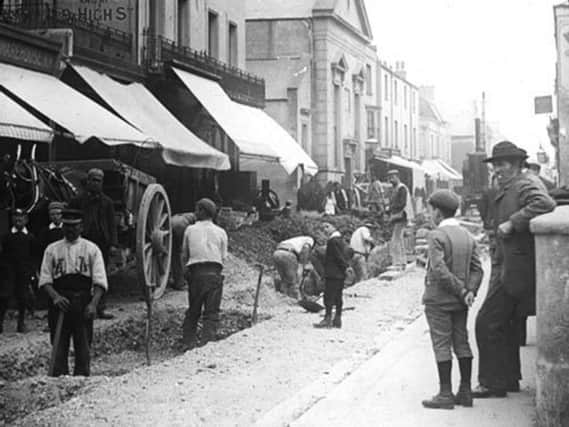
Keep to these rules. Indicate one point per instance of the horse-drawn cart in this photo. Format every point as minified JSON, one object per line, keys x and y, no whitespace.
{"x":143,"y":208}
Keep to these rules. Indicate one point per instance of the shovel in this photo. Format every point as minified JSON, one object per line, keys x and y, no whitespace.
{"x":56,"y":340}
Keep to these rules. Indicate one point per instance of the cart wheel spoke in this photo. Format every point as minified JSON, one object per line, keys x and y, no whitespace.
{"x":154,"y":240}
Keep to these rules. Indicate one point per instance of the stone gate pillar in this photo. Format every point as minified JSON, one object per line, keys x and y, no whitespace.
{"x":552,"y":265}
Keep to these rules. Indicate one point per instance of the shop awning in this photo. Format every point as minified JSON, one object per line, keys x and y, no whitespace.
{"x":253,"y":131}
{"x":401,"y":162}
{"x":290,"y":153}
{"x":68,"y":108}
{"x":227,"y":114}
{"x":437,"y":168}
{"x":17,"y":123}
{"x":135,"y":104}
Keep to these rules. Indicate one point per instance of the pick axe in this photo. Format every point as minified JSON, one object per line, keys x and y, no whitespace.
{"x":55,"y":345}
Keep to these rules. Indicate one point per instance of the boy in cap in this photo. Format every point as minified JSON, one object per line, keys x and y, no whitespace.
{"x":454,"y":274}
{"x":204,"y":250}
{"x":338,"y":255}
{"x":54,"y":231}
{"x":99,"y":221}
{"x":73,"y":275}
{"x":18,"y":247}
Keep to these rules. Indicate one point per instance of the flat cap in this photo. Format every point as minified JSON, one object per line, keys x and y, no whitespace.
{"x":392,"y":172}
{"x":71,"y":216}
{"x":444,"y":199}
{"x":96,"y":173}
{"x":56,"y":206}
{"x":506,"y":150}
{"x":207,"y":205}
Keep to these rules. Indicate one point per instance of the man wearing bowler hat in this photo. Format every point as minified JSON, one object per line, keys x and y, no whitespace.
{"x":73,"y":275}
{"x":99,"y":222}
{"x":519,"y":199}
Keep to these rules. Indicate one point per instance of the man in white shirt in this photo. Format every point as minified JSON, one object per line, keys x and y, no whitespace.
{"x":73,"y":275}
{"x":362,"y":243}
{"x":204,"y":251}
{"x":288,"y":256}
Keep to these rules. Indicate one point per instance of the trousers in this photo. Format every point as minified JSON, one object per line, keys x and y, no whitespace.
{"x":287,"y":266}
{"x":448,"y":330}
{"x":497,"y":336}
{"x":359,"y":264}
{"x":397,"y":245}
{"x":75,"y":326}
{"x":333,"y":290}
{"x":204,"y":292}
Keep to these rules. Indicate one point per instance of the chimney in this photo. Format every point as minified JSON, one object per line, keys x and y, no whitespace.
{"x":400,"y":69}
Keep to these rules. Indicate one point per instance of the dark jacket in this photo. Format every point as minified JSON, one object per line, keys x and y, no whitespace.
{"x":338,"y":255}
{"x":45,"y":238}
{"x":398,"y":200}
{"x":18,"y":255}
{"x":454,"y":267}
{"x":99,"y":223}
{"x":521,"y":199}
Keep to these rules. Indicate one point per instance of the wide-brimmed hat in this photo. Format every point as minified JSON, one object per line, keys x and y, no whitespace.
{"x":506,"y":150}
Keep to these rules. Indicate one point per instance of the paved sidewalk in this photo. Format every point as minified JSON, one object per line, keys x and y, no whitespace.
{"x":387,"y":390}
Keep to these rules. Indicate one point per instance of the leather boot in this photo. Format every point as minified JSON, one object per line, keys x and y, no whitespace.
{"x":209,"y":331}
{"x":443,"y":400}
{"x":464,"y":396}
{"x":325,"y":323}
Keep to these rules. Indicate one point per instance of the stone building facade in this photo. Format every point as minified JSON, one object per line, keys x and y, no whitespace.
{"x":434,"y":134}
{"x":319,"y":65}
{"x":398,"y":121}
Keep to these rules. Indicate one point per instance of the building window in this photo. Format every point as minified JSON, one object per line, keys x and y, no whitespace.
{"x":213,"y":35}
{"x":183,"y":23}
{"x":405,"y":138}
{"x":371,"y":124}
{"x":369,"y":80}
{"x":386,"y":87}
{"x":414,"y":144}
{"x":386,"y":132}
{"x":348,"y":100}
{"x":405,"y":96}
{"x":396,"y":134}
{"x":395,"y":92}
{"x":304,"y":137}
{"x":232,"y":50}
{"x":413,"y":102}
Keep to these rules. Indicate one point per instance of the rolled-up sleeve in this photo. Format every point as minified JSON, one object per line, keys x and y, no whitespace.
{"x":98,"y":273}
{"x":46,"y":276}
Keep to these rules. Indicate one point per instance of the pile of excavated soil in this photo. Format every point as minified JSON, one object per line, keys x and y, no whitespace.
{"x":256,"y":243}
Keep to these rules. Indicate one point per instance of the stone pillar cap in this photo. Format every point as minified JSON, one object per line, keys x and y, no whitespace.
{"x":556,"y":222}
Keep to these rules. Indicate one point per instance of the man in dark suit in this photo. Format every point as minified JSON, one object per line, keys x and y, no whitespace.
{"x":519,"y":199}
{"x":337,"y":260}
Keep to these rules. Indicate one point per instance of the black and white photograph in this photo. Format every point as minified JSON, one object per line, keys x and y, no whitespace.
{"x":284,"y":213}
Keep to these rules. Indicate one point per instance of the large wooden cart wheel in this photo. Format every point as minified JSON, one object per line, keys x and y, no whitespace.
{"x":153,"y":241}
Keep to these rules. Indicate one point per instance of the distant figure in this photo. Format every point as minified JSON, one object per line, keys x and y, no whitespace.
{"x":99,"y":222}
{"x":286,"y":211}
{"x":54,"y":231}
{"x":180,"y":222}
{"x":341,"y":196}
{"x":362,"y":243}
{"x":454,"y":275}
{"x":330,"y":204}
{"x":18,"y":247}
{"x":289,"y":255}
{"x":398,"y":218}
{"x":535,"y":169}
{"x":375,"y":196}
{"x":337,"y":260}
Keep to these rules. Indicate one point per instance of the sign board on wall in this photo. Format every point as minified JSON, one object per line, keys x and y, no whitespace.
{"x":117,"y":14}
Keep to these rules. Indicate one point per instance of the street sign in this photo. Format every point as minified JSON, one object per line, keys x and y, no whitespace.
{"x":543,"y":104}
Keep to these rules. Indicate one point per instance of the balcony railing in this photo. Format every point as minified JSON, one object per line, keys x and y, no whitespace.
{"x":240,"y":85}
{"x":88,"y":36}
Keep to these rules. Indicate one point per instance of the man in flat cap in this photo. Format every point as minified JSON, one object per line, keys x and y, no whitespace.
{"x":204,"y":251}
{"x":454,"y":274}
{"x":73,"y":275}
{"x":398,"y":218}
{"x":99,"y":222}
{"x":520,"y":198}
{"x":362,"y":243}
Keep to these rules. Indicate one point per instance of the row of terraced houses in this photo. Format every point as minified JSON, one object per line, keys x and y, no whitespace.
{"x":255,"y":89}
